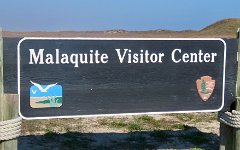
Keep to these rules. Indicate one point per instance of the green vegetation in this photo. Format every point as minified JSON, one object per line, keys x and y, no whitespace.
{"x":50,"y":132}
{"x":135,"y":126}
{"x":57,"y":100}
{"x":195,"y":117}
{"x":118,"y":123}
{"x":180,"y":126}
{"x":195,"y":149}
{"x":143,"y":123}
{"x":136,"y":123}
{"x":45,"y":126}
{"x":146,"y":118}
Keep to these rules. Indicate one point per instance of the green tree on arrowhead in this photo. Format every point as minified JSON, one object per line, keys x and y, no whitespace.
{"x":203,"y":86}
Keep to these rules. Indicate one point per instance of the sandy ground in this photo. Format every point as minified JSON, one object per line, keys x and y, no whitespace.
{"x":101,"y":133}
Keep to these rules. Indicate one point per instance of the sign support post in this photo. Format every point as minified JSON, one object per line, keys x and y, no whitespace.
{"x":237,"y":130}
{"x":1,"y":62}
{"x":230,"y":136}
{"x":8,"y":104}
{"x":226,"y":137}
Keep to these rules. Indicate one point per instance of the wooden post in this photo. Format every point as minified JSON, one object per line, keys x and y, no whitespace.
{"x":8,"y":110}
{"x":230,"y":137}
{"x":236,"y":130}
{"x":8,"y":104}
{"x":226,"y":137}
{"x":1,"y":63}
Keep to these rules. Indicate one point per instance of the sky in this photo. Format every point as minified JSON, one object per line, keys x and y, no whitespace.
{"x":132,"y":15}
{"x":52,"y":91}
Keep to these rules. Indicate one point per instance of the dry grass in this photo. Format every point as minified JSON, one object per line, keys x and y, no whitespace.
{"x":120,"y":124}
{"x":225,"y":28}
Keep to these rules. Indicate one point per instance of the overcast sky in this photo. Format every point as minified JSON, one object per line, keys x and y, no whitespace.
{"x":62,"y":15}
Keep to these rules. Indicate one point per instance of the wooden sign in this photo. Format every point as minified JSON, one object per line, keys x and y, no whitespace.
{"x":71,"y":77}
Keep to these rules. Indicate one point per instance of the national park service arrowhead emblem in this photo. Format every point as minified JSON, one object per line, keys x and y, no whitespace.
{"x":205,"y":87}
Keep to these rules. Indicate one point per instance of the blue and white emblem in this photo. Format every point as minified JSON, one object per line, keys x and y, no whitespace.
{"x":44,"y":96}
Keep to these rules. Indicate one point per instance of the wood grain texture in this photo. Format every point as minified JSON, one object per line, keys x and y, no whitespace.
{"x":236,"y":130}
{"x":8,"y":104}
{"x":227,"y":132}
{"x":226,"y":137}
{"x":1,"y":63}
{"x":8,"y":110}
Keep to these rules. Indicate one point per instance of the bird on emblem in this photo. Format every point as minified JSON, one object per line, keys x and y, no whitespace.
{"x":41,"y":88}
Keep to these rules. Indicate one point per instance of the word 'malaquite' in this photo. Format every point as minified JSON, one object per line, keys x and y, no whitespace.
{"x":123,"y":55}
